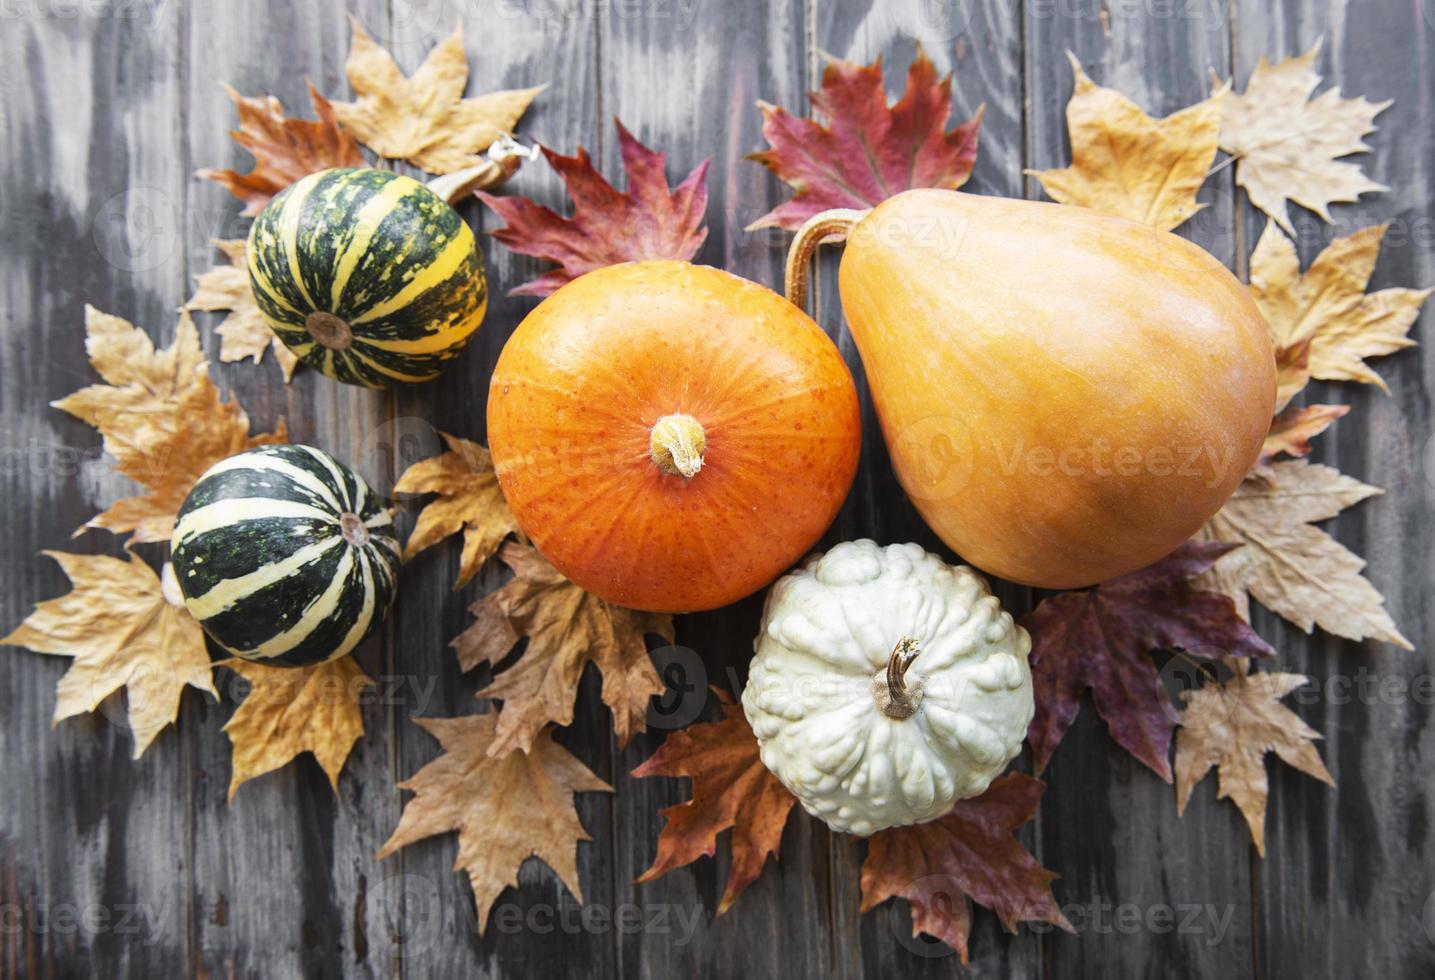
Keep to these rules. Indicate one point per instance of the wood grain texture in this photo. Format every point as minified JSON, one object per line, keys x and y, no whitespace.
{"x":109,"y":107}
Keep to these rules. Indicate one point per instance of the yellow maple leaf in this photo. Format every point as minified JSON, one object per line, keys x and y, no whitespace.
{"x":469,"y":500}
{"x":160,"y":417}
{"x":424,"y":118}
{"x":566,"y":628}
{"x":1126,"y":163}
{"x":1232,"y":726}
{"x":1328,"y":308}
{"x":1285,"y":144}
{"x":1293,"y":568}
{"x":292,"y":710}
{"x":505,"y":810}
{"x":244,"y":332}
{"x":124,"y":627}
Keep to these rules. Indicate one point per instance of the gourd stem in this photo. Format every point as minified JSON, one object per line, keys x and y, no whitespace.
{"x":677,"y":444}
{"x":353,"y":529}
{"x":828,"y":226}
{"x":902,"y":703}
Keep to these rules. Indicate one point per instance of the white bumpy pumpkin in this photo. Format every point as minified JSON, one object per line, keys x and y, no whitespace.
{"x":887,"y":685}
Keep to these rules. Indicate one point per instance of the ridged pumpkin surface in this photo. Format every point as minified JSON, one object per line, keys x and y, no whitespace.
{"x":587,"y":375}
{"x":1066,"y":395}
{"x":367,"y":275}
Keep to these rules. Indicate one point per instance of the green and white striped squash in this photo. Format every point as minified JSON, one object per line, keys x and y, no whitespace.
{"x":285,"y":556}
{"x":367,"y":275}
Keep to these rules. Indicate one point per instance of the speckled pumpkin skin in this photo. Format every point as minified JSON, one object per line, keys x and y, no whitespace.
{"x":583,"y":379}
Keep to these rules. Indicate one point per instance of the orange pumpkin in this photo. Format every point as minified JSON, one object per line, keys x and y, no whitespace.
{"x":1067,"y":395}
{"x":672,"y":437}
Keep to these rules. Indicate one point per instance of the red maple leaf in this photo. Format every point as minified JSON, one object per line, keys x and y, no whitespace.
{"x":284,"y":149}
{"x":650,"y":221}
{"x":731,"y":788}
{"x":1101,"y":639}
{"x":968,"y":855}
{"x":869,"y":151}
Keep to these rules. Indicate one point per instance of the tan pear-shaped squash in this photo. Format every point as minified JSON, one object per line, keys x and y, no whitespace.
{"x":1066,"y":395}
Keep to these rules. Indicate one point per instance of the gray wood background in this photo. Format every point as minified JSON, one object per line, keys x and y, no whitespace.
{"x":114,"y":868}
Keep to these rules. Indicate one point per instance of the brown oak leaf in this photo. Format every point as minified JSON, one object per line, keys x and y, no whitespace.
{"x":284,"y":149}
{"x":505,"y":809}
{"x":566,"y":628}
{"x":1232,"y":726}
{"x":649,"y":221}
{"x":292,"y":710}
{"x":469,"y":500}
{"x":1101,"y":639}
{"x":1294,"y":569}
{"x":424,"y":118}
{"x":731,"y":789}
{"x":1293,"y":429}
{"x":868,"y":151}
{"x":1328,"y":308}
{"x":244,"y":332}
{"x":124,"y":627}
{"x":1126,"y":163}
{"x":160,"y":417}
{"x":1285,"y":144}
{"x":971,"y":854}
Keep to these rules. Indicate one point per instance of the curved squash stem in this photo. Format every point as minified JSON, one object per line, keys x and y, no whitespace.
{"x":828,"y":226}
{"x":902,"y":703}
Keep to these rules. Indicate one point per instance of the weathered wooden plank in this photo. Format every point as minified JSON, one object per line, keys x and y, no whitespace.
{"x":537,"y":928}
{"x":1345,"y":887}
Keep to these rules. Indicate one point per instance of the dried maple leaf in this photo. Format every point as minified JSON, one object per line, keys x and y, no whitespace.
{"x":469,"y":500}
{"x":1101,"y":638}
{"x":284,"y":149}
{"x":1232,"y":726}
{"x":1294,"y":428}
{"x":1292,"y":372}
{"x":505,"y":810}
{"x":1295,"y":570}
{"x":161,"y":419}
{"x":425,"y":119}
{"x":1126,"y":163}
{"x":245,"y":332}
{"x":124,"y":627}
{"x":292,"y":710}
{"x":971,"y":854}
{"x":650,"y":221}
{"x":1328,"y":308}
{"x":868,"y":151}
{"x":731,"y":788}
{"x":566,"y":628}
{"x":1285,"y":147}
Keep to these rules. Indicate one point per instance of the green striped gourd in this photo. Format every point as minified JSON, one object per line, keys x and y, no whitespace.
{"x":367,"y":275}
{"x":285,"y":556}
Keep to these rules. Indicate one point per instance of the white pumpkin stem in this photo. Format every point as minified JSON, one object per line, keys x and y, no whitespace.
{"x":827,"y":226}
{"x":894,"y":696}
{"x":677,"y":444}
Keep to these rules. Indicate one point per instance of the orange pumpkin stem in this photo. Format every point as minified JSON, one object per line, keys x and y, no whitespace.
{"x":677,"y":444}
{"x":828,"y":226}
{"x":894,"y":696}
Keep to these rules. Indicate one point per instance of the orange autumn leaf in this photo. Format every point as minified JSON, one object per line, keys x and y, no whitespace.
{"x":292,"y":710}
{"x":124,"y":627}
{"x":566,"y":629}
{"x":648,"y":221}
{"x":284,"y":149}
{"x":1294,"y":428}
{"x":1232,"y":726}
{"x":731,"y":788}
{"x":1126,"y":163}
{"x":424,"y":118}
{"x":971,"y":854}
{"x":868,"y":151}
{"x":161,"y":418}
{"x":244,"y":333}
{"x":504,"y":810}
{"x":469,"y":500}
